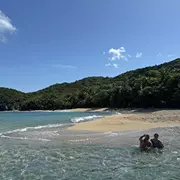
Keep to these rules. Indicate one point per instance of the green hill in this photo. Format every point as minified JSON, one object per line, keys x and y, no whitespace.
{"x":10,"y":99}
{"x":155,"y":86}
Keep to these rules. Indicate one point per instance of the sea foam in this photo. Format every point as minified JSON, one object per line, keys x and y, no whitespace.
{"x":32,"y":128}
{"x":85,"y":118}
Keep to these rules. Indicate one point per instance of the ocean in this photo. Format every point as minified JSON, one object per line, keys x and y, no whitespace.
{"x":37,"y":146}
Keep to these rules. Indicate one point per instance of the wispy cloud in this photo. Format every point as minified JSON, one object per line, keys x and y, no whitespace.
{"x":64,"y":66}
{"x":5,"y":27}
{"x":166,"y":55}
{"x":139,"y":55}
{"x":170,"y":55}
{"x":116,"y":54}
{"x":159,"y":55}
{"x":108,"y":64}
{"x":115,"y":65}
{"x":104,"y":53}
{"x":112,"y":65}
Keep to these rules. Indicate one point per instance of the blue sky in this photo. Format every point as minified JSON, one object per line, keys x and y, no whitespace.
{"x":45,"y":42}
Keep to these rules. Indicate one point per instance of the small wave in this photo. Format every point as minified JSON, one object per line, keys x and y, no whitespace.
{"x":33,"y":128}
{"x":111,"y":134}
{"x":83,"y":140}
{"x":85,"y":118}
{"x":25,"y":138}
{"x":66,"y":110}
{"x":175,"y":152}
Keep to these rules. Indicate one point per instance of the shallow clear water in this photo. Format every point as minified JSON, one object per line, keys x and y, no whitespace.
{"x":16,"y":120}
{"x":71,"y":155}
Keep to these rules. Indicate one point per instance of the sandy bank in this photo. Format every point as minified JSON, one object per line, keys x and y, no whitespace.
{"x":88,"y":110}
{"x":132,"y":121}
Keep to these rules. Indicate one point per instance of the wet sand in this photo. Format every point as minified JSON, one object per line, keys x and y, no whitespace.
{"x":60,"y":137}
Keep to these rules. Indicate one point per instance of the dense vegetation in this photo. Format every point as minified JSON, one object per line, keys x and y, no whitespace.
{"x":156,"y":86}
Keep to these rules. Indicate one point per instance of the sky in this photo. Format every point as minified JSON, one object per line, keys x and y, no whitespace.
{"x":46,"y":42}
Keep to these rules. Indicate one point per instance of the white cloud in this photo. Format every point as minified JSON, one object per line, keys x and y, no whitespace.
{"x":5,"y":26}
{"x":139,"y":55}
{"x":115,"y":65}
{"x":117,"y":53}
{"x":64,"y":66}
{"x":159,"y":55}
{"x":104,"y":53}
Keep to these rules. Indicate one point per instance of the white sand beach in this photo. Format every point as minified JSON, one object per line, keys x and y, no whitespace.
{"x":132,"y":121}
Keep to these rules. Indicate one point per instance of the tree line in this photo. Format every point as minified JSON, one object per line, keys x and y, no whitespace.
{"x":156,"y":86}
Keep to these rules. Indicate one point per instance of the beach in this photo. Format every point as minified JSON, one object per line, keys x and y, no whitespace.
{"x":45,"y":145}
{"x":131,"y":120}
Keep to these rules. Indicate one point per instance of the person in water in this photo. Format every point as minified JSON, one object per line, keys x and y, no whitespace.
{"x":145,"y":144}
{"x":156,"y":143}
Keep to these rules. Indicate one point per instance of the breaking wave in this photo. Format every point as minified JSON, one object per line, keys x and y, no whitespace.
{"x":85,"y":118}
{"x":25,"y":138}
{"x":32,"y":128}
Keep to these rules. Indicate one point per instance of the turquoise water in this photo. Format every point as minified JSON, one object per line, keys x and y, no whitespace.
{"x":50,"y":152}
{"x":16,"y":120}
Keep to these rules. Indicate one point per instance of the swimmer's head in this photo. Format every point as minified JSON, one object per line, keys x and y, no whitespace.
{"x":156,"y":136}
{"x":147,"y":137}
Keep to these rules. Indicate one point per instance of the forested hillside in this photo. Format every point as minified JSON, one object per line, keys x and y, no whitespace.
{"x":156,"y":86}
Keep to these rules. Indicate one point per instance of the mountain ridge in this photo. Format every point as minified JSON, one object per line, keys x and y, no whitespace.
{"x":101,"y":91}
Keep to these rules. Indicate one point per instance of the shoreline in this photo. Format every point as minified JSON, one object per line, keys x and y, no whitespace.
{"x":125,"y":119}
{"x":69,"y":110}
{"x":131,"y":121}
{"x":118,"y":110}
